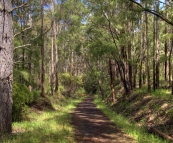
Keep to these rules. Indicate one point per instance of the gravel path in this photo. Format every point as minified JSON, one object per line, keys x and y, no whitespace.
{"x":92,"y":126}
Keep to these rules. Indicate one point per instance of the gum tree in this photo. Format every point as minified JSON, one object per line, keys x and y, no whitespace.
{"x":6,"y":66}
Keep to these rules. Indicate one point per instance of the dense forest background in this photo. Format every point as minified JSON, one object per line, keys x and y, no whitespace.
{"x":125,"y":41}
{"x":100,"y":46}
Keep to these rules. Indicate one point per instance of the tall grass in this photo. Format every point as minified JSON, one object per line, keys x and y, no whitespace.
{"x":138,"y":133}
{"x":46,"y":126}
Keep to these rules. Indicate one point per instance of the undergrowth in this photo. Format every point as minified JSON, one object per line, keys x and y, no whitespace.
{"x":138,"y":133}
{"x":158,"y":93}
{"x":46,"y":126}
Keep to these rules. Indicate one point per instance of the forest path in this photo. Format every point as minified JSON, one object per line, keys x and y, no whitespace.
{"x":92,"y":126}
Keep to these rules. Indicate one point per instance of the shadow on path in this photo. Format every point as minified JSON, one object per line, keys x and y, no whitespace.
{"x":92,"y":126}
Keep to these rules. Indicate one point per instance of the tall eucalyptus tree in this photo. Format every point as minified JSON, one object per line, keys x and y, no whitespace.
{"x":6,"y":66}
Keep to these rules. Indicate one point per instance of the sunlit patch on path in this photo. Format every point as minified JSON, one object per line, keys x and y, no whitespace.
{"x":91,"y":125}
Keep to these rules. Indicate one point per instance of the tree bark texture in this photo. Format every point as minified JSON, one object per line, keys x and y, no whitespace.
{"x":157,"y":50}
{"x":154,"y":54}
{"x":122,"y":72}
{"x":148,"y":54}
{"x":141,"y":54}
{"x":166,"y":46}
{"x":6,"y":66}
{"x":56,"y":56}
{"x":111,"y":80}
{"x":52,"y":66}
{"x":42,"y":50}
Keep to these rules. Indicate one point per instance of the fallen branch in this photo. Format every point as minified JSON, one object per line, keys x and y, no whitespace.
{"x":159,"y":133}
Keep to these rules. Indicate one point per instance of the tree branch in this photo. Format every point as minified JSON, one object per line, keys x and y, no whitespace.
{"x":23,"y":5}
{"x":22,"y":46}
{"x":156,"y":13}
{"x":46,"y":31}
{"x":22,"y":31}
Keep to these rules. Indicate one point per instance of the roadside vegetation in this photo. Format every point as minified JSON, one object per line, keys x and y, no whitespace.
{"x":147,"y":117}
{"x":46,"y":125}
{"x":57,"y":49}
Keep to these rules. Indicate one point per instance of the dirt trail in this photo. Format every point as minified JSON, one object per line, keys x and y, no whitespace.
{"x":92,"y":126}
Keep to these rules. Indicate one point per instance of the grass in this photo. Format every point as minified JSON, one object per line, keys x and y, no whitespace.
{"x":138,"y":133}
{"x":46,"y":126}
{"x":158,"y":93}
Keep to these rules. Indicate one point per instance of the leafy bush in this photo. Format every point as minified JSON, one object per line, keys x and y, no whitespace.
{"x":66,"y":79}
{"x":36,"y":94}
{"x":80,"y":92}
{"x":21,"y":98}
{"x":69,"y":84}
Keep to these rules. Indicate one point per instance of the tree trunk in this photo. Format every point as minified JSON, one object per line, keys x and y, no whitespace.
{"x":141,"y":54}
{"x":157,"y":48}
{"x":56,"y":57}
{"x":166,"y":61}
{"x":30,"y":69}
{"x":122,"y":73}
{"x":6,"y":66}
{"x":72,"y":69}
{"x":52,"y":65}
{"x":170,"y":66}
{"x":148,"y":56}
{"x":154,"y":55}
{"x":134,"y":75}
{"x":129,"y":24}
{"x":166,"y":46}
{"x":54,"y":46}
{"x":42,"y":51}
{"x":130,"y":65}
{"x":111,"y":80}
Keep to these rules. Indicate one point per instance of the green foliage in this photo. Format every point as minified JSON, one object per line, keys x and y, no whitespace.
{"x":36,"y":94}
{"x":91,"y":81}
{"x":138,"y":133}
{"x":162,"y":93}
{"x":49,"y":127}
{"x":67,"y":79}
{"x":80,"y":91}
{"x":21,"y":74}
{"x":78,"y":81}
{"x":21,"y":97}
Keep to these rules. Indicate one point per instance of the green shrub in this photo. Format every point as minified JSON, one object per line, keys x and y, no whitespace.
{"x":66,"y":79}
{"x":36,"y":94}
{"x":21,"y":98}
{"x":80,"y":91}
